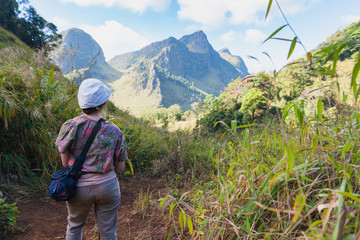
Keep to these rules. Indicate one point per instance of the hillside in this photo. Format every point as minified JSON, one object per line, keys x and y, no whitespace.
{"x":264,"y":96}
{"x":8,"y":40}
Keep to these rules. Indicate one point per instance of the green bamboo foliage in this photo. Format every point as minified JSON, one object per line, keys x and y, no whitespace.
{"x":31,"y":100}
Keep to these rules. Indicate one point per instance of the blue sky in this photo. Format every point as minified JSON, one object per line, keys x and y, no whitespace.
{"x":121,"y":26}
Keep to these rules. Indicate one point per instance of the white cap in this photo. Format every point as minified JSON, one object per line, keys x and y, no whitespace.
{"x":92,"y":93}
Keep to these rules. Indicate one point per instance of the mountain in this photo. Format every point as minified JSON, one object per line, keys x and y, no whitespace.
{"x":79,"y":52}
{"x":174,"y":72}
{"x":236,"y":61}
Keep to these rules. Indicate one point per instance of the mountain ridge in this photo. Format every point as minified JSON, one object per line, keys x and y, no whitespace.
{"x":172,"y":71}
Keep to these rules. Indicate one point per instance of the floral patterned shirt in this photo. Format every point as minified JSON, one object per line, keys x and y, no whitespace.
{"x":106,"y":151}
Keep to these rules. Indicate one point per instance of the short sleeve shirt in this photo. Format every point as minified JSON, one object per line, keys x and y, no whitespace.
{"x":108,"y":148}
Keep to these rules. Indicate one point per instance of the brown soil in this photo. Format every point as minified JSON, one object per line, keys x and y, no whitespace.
{"x":40,"y":220}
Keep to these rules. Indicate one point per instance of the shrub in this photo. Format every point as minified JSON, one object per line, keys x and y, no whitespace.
{"x":7,"y":216}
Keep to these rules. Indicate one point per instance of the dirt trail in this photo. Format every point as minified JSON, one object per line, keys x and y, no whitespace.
{"x":41,"y":220}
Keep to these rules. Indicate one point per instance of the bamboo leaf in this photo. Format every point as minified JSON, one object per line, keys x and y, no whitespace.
{"x":309,"y":56}
{"x":163,"y":201}
{"x":319,"y":109}
{"x":317,"y":222}
{"x":299,"y":206}
{"x":130,"y":166}
{"x":291,"y":155}
{"x":275,"y":178}
{"x":168,"y":237}
{"x":268,"y":8}
{"x":181,"y":221}
{"x":292,"y":47}
{"x":323,"y":138}
{"x":355,"y":74}
{"x":287,"y":110}
{"x":274,"y":33}
{"x":345,"y":149}
{"x":283,"y":39}
{"x":245,"y":137}
{"x":248,"y":227}
{"x":172,"y":206}
{"x":190,"y":225}
{"x":307,"y":179}
{"x":234,"y":125}
{"x":350,"y":195}
{"x":223,"y":123}
{"x":339,"y":211}
{"x":247,"y":125}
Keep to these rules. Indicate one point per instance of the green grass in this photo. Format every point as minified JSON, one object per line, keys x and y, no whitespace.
{"x":8,"y":39}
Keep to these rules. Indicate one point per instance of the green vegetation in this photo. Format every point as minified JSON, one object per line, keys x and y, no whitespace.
{"x":292,"y":172}
{"x":7,"y":216}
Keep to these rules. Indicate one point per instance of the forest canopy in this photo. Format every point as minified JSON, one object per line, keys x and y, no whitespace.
{"x":20,"y":18}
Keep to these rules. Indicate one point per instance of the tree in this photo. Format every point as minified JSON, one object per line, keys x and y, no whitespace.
{"x":253,"y":100}
{"x":8,"y":14}
{"x":26,"y":23}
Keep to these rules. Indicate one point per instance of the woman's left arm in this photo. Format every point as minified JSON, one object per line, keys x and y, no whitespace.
{"x":65,"y":159}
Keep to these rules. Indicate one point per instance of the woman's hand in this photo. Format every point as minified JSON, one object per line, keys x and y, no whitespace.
{"x":120,"y":166}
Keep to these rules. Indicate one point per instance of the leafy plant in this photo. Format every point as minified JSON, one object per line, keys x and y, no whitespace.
{"x":7,"y":216}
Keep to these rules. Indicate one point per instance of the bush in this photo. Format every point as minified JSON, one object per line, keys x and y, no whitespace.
{"x":7,"y":216}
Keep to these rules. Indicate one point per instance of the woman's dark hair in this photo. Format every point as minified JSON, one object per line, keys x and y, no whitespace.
{"x":92,"y":109}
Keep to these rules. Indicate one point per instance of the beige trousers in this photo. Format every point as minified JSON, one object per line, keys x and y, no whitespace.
{"x":105,"y":198}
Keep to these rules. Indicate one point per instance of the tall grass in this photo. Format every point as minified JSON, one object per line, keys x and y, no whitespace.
{"x":32,"y":94}
{"x":280,"y":184}
{"x":297,"y":178}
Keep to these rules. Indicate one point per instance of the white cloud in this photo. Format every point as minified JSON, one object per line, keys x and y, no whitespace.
{"x":350,"y":19}
{"x":61,"y":23}
{"x":254,"y":36}
{"x":230,"y":36}
{"x":217,"y":13}
{"x":294,"y":6}
{"x":114,"y":38}
{"x":138,"y":6}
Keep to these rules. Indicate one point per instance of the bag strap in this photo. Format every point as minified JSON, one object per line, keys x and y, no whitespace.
{"x":91,"y":138}
{"x":79,"y":161}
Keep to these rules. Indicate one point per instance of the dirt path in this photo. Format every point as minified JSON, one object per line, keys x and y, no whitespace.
{"x":41,"y":220}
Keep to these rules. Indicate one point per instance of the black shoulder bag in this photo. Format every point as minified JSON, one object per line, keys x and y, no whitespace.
{"x":64,"y":182}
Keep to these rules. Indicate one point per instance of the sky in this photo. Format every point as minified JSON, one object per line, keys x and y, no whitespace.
{"x":121,"y":26}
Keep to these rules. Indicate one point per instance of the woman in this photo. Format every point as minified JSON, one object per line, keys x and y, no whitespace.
{"x":98,"y":186}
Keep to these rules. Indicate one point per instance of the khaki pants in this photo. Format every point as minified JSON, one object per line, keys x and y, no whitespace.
{"x":105,"y":198}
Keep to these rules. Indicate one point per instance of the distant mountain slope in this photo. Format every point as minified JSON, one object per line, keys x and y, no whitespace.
{"x":182,"y":71}
{"x":79,"y":51}
{"x":236,"y":61}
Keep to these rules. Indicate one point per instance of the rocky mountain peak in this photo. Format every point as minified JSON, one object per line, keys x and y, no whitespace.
{"x":77,"y":50}
{"x":197,"y":42}
{"x":236,"y":61}
{"x":224,"y":50}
